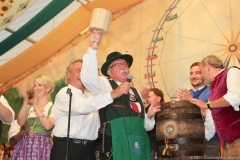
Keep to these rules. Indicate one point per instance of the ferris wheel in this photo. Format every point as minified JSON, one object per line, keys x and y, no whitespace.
{"x":188,"y":31}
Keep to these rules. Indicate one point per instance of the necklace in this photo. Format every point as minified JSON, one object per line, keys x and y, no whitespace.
{"x":32,"y":127}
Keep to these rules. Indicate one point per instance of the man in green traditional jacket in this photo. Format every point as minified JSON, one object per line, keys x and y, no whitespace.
{"x":123,"y":122}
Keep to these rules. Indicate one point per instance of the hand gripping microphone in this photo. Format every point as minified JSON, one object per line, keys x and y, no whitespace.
{"x":129,"y":78}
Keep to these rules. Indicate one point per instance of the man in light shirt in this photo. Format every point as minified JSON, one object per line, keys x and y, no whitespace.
{"x":84,"y":120}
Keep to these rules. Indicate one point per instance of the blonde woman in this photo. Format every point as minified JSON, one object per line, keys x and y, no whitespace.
{"x":36,"y":143}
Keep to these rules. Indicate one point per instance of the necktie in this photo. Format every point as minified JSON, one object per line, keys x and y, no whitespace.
{"x":134,"y":107}
{"x":133,"y":104}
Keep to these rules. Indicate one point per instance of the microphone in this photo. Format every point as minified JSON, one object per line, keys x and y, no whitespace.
{"x":69,"y":91}
{"x":129,"y":78}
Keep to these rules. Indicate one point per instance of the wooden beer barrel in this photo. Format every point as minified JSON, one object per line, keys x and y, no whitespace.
{"x":180,"y":131}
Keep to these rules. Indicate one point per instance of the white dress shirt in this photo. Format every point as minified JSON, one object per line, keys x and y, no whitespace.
{"x":98,"y":84}
{"x":5,"y":103}
{"x":233,"y":85}
{"x":84,"y":122}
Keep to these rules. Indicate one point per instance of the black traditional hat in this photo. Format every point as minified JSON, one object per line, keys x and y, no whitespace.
{"x":114,"y":56}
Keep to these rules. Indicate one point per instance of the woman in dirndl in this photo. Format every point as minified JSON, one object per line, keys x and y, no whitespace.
{"x":36,"y":143}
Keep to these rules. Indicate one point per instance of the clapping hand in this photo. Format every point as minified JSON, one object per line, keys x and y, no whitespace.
{"x":24,"y":92}
{"x":144,"y":90}
{"x":153,"y":109}
{"x":183,"y":94}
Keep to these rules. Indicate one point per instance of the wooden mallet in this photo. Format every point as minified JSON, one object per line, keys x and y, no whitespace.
{"x":100,"y":20}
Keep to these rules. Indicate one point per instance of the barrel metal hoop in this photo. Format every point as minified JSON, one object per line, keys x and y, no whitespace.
{"x":180,"y":116}
{"x":181,"y":141}
{"x":184,"y":153}
{"x":177,"y":104}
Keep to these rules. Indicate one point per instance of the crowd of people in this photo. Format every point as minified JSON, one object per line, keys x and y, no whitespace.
{"x":111,"y":121}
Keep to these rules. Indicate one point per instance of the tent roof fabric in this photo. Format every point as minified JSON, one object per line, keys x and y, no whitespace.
{"x":57,"y":38}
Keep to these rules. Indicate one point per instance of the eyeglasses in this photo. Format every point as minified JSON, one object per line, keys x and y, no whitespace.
{"x":132,"y":98}
{"x":118,"y":65}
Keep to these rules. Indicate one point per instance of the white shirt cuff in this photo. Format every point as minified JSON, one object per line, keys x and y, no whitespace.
{"x":149,"y":123}
{"x":91,"y":51}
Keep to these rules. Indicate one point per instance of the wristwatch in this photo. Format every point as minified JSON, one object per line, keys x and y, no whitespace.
{"x":208,"y":105}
